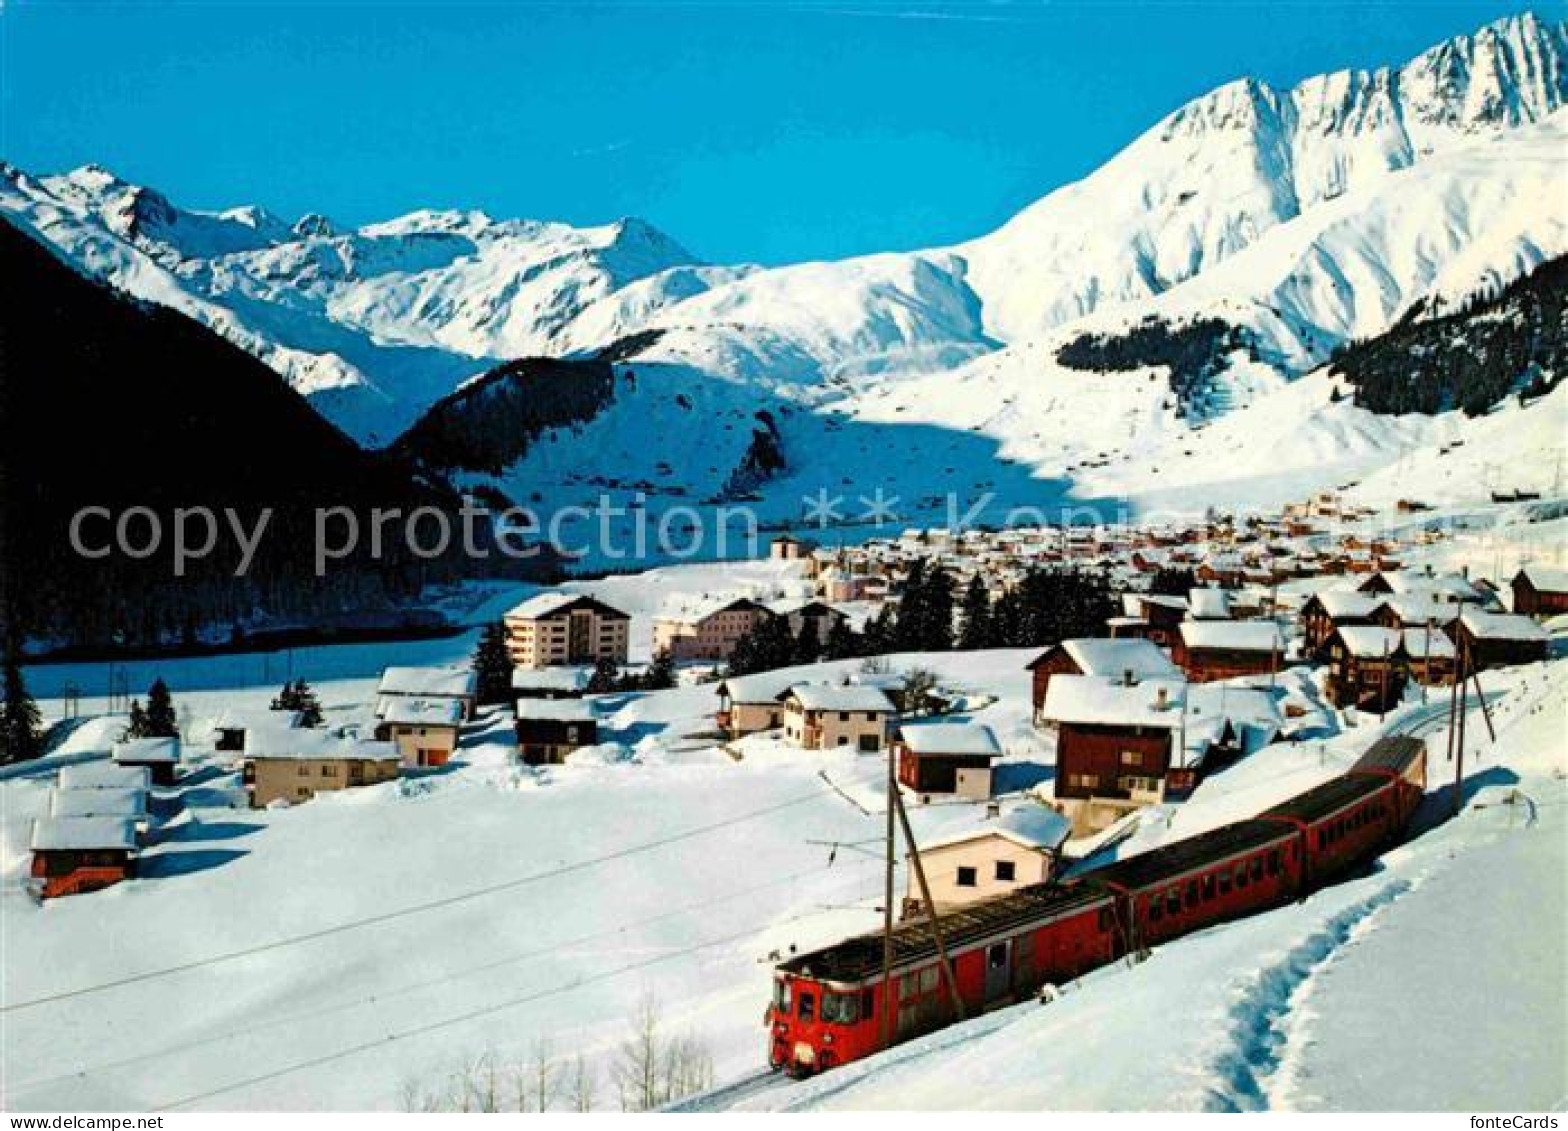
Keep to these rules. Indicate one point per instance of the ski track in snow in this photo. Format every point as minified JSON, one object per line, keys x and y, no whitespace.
{"x":1264,"y":1016}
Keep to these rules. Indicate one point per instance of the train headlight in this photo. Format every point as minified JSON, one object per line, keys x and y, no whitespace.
{"x":804,"y":1053}
{"x":827,"y":1038}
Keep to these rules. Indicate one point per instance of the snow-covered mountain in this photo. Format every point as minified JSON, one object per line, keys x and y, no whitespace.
{"x":1299,"y":218}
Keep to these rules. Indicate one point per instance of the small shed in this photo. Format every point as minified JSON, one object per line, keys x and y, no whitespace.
{"x":74,"y":855}
{"x":159,"y":756}
{"x":550,"y":729}
{"x":947,"y":758}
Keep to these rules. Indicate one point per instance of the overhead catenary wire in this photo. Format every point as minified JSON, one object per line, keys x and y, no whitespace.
{"x":412,"y":909}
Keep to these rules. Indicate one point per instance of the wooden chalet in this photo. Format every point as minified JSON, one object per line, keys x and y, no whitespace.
{"x":1131,"y":658}
{"x":1495,"y":640}
{"x":73,"y":855}
{"x":1540,"y":591}
{"x":951,"y":758}
{"x":1209,"y":650}
{"x":550,"y":729}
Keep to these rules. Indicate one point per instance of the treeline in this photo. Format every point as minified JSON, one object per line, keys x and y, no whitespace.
{"x":932,"y":615}
{"x":1471,"y":359}
{"x":118,"y":404}
{"x":1192,"y":352}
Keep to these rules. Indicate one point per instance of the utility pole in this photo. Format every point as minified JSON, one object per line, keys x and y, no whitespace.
{"x":887,"y":907}
{"x":925,"y":898}
{"x":1459,"y":746}
{"x":1382,"y":691}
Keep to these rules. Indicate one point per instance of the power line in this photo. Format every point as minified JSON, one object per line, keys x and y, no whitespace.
{"x":415,"y":909}
{"x":401,"y":991}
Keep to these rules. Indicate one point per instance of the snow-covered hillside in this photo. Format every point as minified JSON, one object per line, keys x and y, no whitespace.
{"x":1301,"y":218}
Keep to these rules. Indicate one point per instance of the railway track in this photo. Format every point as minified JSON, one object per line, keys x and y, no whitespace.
{"x":726,"y":1096}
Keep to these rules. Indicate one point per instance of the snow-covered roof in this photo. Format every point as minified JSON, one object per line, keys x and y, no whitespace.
{"x":1208,"y":604}
{"x":454,"y":681}
{"x":1546,"y":579}
{"x":760,"y":687}
{"x":554,"y":710}
{"x":1233,"y":635}
{"x":127,"y":803}
{"x":1454,"y":586}
{"x":951,"y":738}
{"x":416,"y":710}
{"x":104,"y":775}
{"x":83,"y":834}
{"x":695,"y":610}
{"x":142,"y":751}
{"x":1484,"y":625}
{"x":1344,"y":603}
{"x":1108,"y":657}
{"x":543,"y":604}
{"x":1418,"y":608}
{"x":836,"y":697}
{"x":279,"y":743}
{"x":1092,"y":699}
{"x":551,"y":679}
{"x":1029,"y":825}
{"x":1369,"y":640}
{"x":1418,"y":643}
{"x":244,"y":718}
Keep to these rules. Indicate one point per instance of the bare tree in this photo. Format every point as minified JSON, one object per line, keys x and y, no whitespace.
{"x":688,"y":1069}
{"x":640,"y":1057}
{"x":581,"y":1084}
{"x":542,"y":1063}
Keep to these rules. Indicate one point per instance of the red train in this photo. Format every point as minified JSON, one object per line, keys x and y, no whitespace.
{"x":827,"y":1005}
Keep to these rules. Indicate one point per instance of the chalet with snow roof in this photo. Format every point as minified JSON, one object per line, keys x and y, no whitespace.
{"x":1019,"y":847}
{"x":229,"y":726}
{"x":1208,"y":603}
{"x":1209,"y":650}
{"x":122,"y":804}
{"x":75,"y":855}
{"x":160,"y":757}
{"x":550,"y":729}
{"x":424,"y":730}
{"x":1323,"y":612}
{"x":292,"y":766}
{"x":749,"y":704}
{"x":1495,"y":640}
{"x":428,"y":685}
{"x":819,"y":716}
{"x":1135,"y":659}
{"x":1163,"y":615}
{"x":1416,"y":610}
{"x":707,"y":629}
{"x":1365,"y":667}
{"x":788,"y":548}
{"x":1540,"y":591}
{"x":951,"y":758}
{"x":566,"y":628}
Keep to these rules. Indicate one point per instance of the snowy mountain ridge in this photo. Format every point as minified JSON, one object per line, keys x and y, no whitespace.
{"x":1303,"y":218}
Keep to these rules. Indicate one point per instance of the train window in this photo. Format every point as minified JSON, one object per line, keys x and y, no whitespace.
{"x":928,"y":979}
{"x":868,"y":1003}
{"x":910,"y":986}
{"x":1224,"y":882}
{"x":1156,"y":909}
{"x":1241,"y":876}
{"x":1208,"y":886}
{"x":839,"y":1009}
{"x":1105,"y":918}
{"x":1192,"y":893}
{"x":1172,"y":902}
{"x":808,"y":1007}
{"x":996,"y":956}
{"x":781,"y":996}
{"x":1274,"y":862}
{"x":1256,"y":868}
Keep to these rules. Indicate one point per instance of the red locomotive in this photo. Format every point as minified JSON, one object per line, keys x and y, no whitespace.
{"x":827,"y":1006}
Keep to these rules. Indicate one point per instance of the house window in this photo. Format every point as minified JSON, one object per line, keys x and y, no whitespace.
{"x":843,"y":740}
{"x":843,"y":716}
{"x":329,"y":771}
{"x":966,"y":876}
{"x":870,"y":743}
{"x":1006,"y":870}
{"x":304,"y":770}
{"x":1132,"y":758}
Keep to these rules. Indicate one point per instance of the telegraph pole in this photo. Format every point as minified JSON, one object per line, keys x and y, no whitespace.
{"x":925,"y":898}
{"x":1459,"y":764}
{"x":887,"y":906}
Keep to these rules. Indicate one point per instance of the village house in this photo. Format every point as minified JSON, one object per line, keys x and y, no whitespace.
{"x":749,"y":704}
{"x":1429,"y":656}
{"x":1020,"y":847}
{"x":1163,"y":616}
{"x":230,"y":725}
{"x":1208,"y":603}
{"x":74,"y":855}
{"x":1209,"y":650}
{"x":550,"y":729}
{"x":292,"y":766}
{"x":551,"y":683}
{"x":819,"y":716}
{"x":1123,"y":745}
{"x":707,"y":629}
{"x":947,"y":758}
{"x":1365,"y":667}
{"x":566,"y":628}
{"x":801,"y":611}
{"x":1133,"y":658}
{"x":1417,"y":610}
{"x":160,"y":757}
{"x":459,"y":683}
{"x":1540,"y":591}
{"x":1322,"y":613}
{"x":786,"y":547}
{"x":425,"y":731}
{"x":1495,"y":640}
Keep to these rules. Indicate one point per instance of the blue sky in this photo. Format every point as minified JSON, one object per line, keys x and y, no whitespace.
{"x":767,"y":132}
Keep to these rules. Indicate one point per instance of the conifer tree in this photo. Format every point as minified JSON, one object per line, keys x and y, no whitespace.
{"x":606,"y":676}
{"x":842,"y":642}
{"x":976,"y":613}
{"x":660,"y":675}
{"x":161,"y":719}
{"x":21,"y":731}
{"x":137,"y":726}
{"x":493,"y":665}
